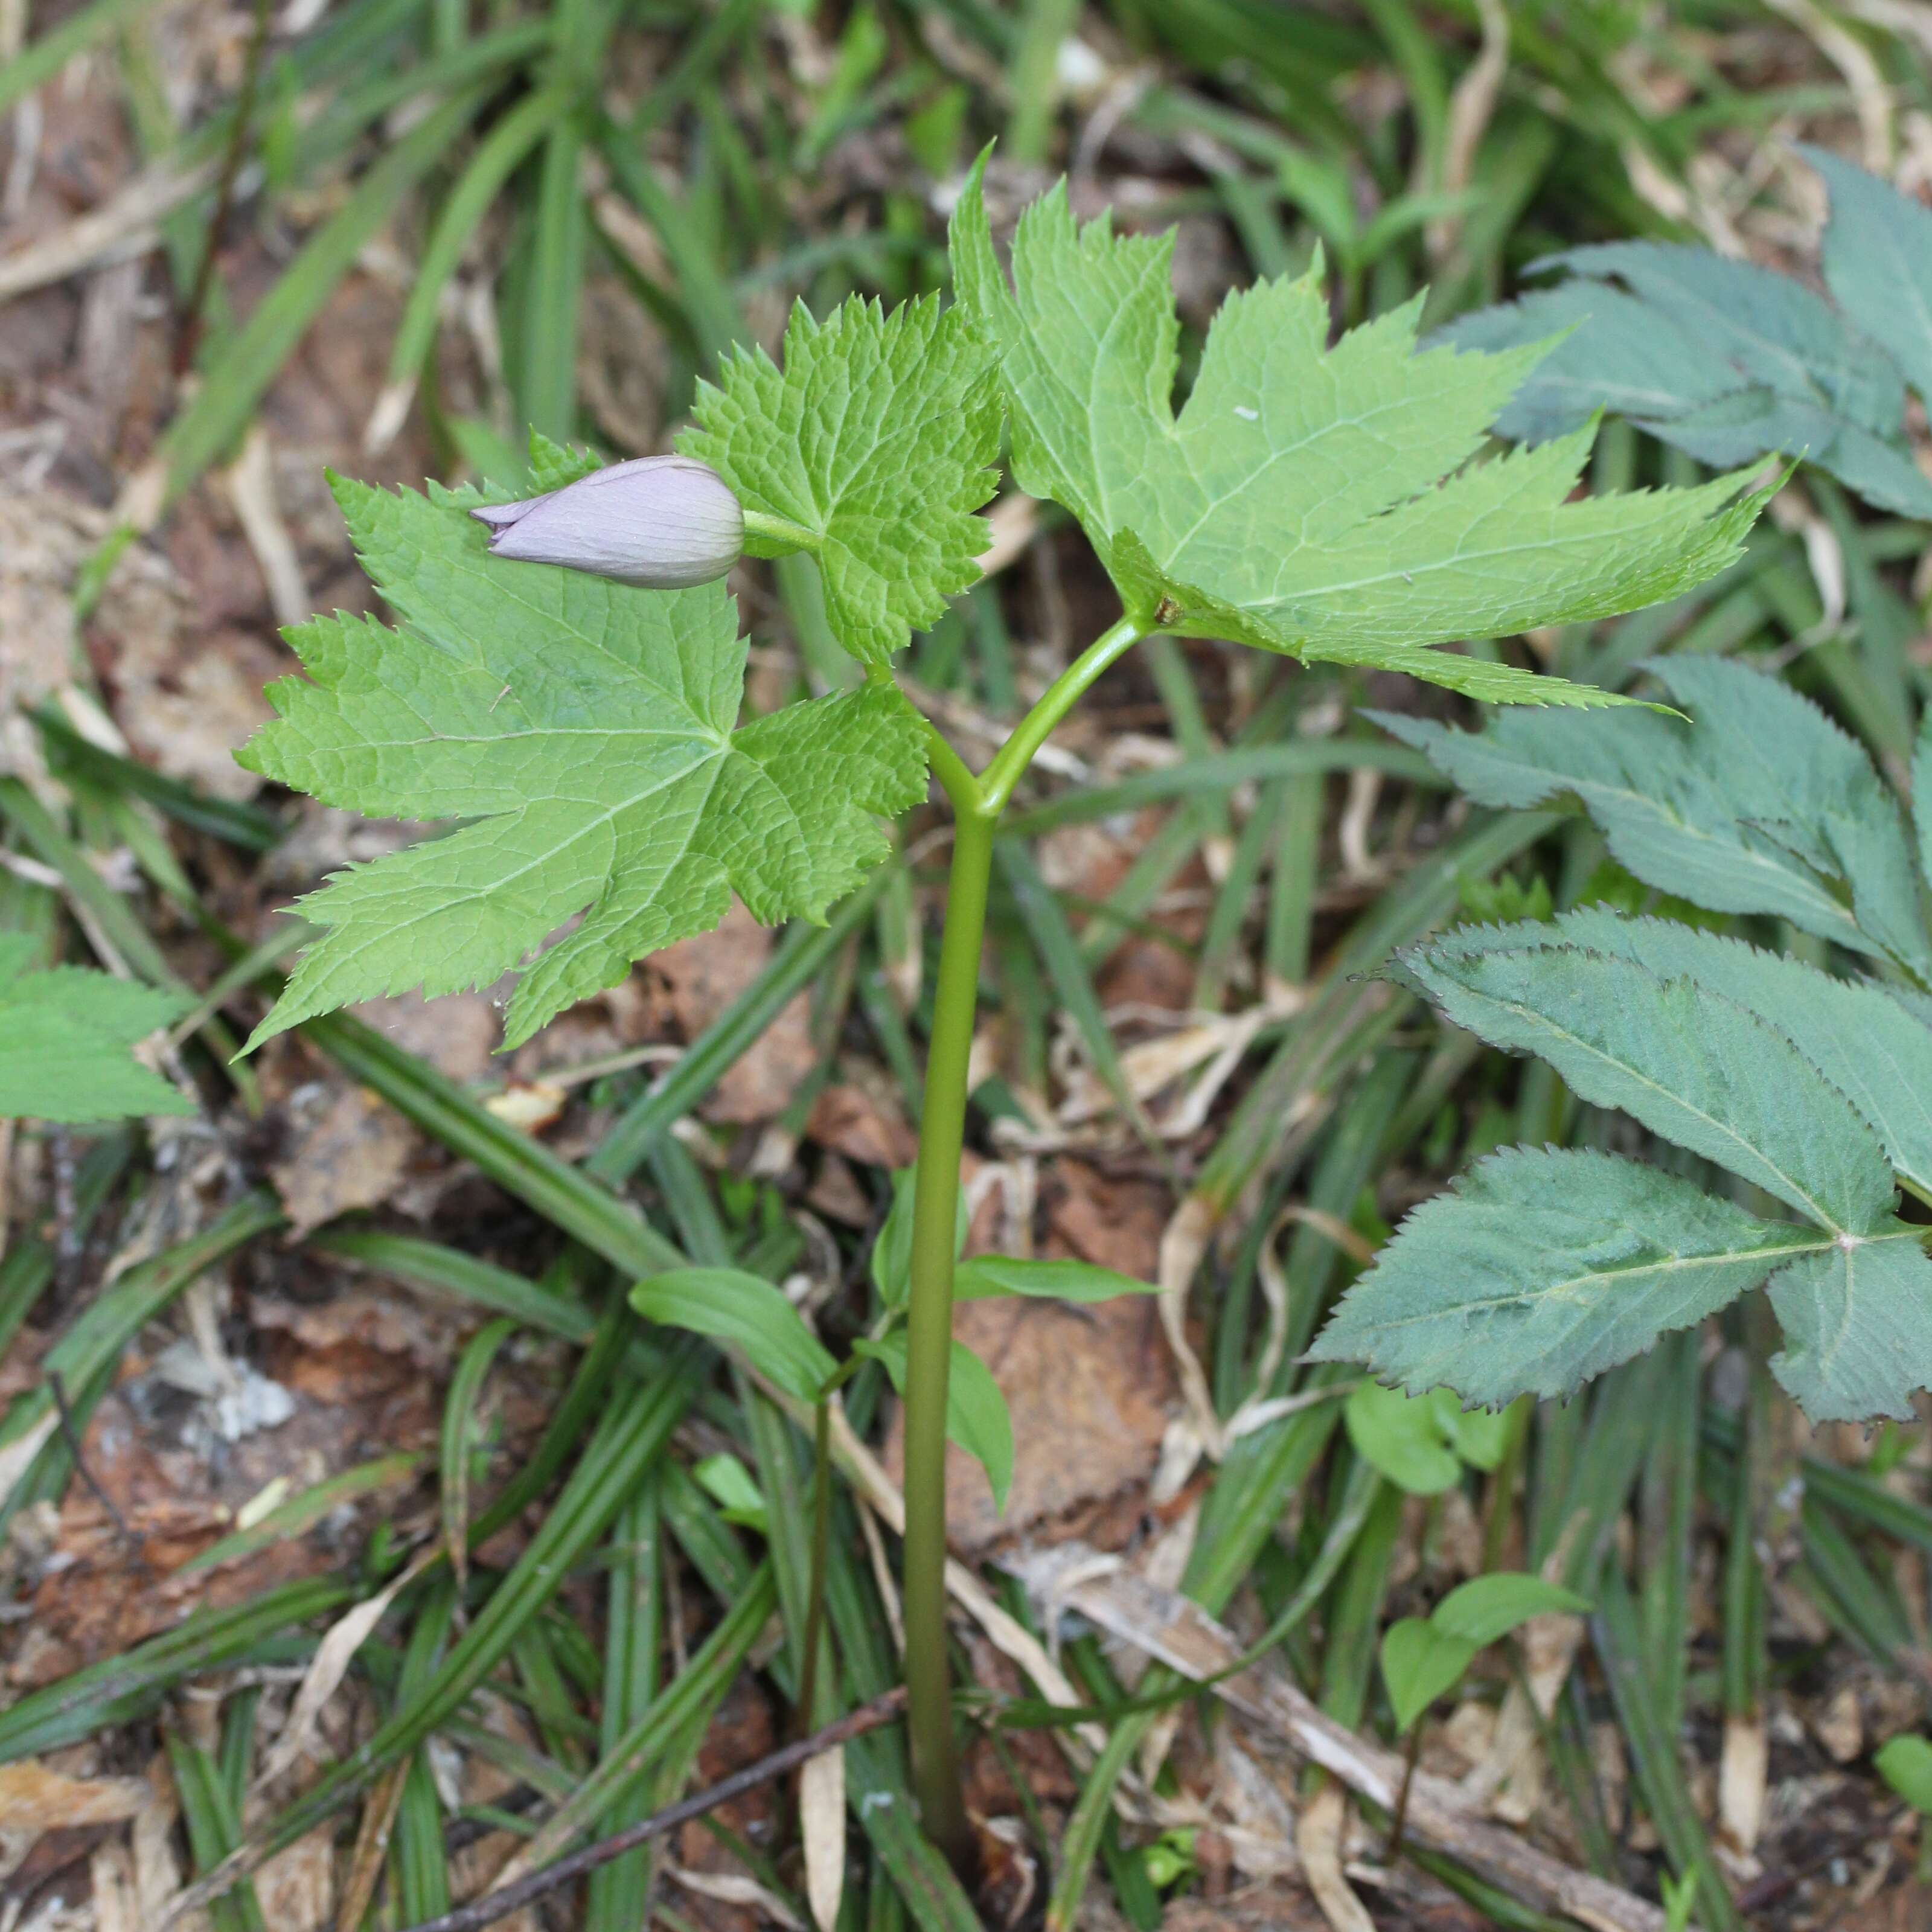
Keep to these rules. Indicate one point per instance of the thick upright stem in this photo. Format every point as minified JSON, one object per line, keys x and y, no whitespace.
{"x":977,"y":804}
{"x":935,"y":1766}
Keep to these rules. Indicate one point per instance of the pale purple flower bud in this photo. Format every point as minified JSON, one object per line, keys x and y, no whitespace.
{"x":660,"y":522}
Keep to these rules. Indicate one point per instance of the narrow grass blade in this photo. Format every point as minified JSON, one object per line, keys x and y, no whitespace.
{"x":1618,"y":1633}
{"x":248,"y":364}
{"x":301,"y":1512}
{"x":446,"y":1271}
{"x":515,"y":1162}
{"x":801,"y":956}
{"x":634,"y":1433}
{"x":124,"y":1688}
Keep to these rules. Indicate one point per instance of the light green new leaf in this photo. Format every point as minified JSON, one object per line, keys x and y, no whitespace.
{"x":586,"y":729}
{"x":1298,"y":500}
{"x":876,"y":438}
{"x":1487,"y":1608}
{"x":1479,"y":1436}
{"x":65,"y":1036}
{"x":983,"y":1276}
{"x":730,"y":1306}
{"x":1539,"y":1269}
{"x":1403,"y":1438}
{"x":1420,"y":1662}
{"x":1759,"y":804}
{"x":976,"y":1412}
{"x":1905,"y":1763}
{"x":731,"y":1485}
{"x":1858,"y":1326}
{"x":1865,"y":1041}
{"x":1691,"y":1065}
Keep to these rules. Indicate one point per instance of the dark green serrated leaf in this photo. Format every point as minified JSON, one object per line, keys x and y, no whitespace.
{"x":1865,"y":1041}
{"x":1858,"y":1326}
{"x":1694,"y":1067}
{"x":1878,"y":261}
{"x":1730,"y":360}
{"x":1540,"y":1269}
{"x":1759,"y":804}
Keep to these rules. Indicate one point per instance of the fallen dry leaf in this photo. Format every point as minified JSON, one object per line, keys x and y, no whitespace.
{"x":821,"y":1817}
{"x":861,"y":1125}
{"x":330,"y":1665}
{"x":694,"y":981}
{"x":347,"y":1150}
{"x":33,"y":1798}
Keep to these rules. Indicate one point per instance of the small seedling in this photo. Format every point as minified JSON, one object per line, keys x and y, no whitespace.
{"x":1424,"y":1658}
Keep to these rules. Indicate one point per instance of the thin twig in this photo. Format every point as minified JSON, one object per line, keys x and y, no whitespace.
{"x":57,"y":1388}
{"x":495,"y":1905}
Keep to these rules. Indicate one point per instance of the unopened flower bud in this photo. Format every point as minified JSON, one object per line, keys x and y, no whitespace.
{"x":660,"y":522}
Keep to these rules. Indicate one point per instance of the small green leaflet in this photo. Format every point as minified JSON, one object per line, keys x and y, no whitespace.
{"x":1540,"y":1269}
{"x":1905,"y":1763}
{"x":976,"y":1419}
{"x":1423,"y":1657}
{"x":1402,"y":1439}
{"x":1729,"y":361}
{"x":981,"y":1277}
{"x":746,"y":1311}
{"x":878,"y":438}
{"x":1298,"y":501}
{"x":588,"y":732}
{"x":730,"y":1484}
{"x":65,"y":1036}
{"x":1420,"y":1662}
{"x":1485,"y":1610}
{"x":1759,"y":803}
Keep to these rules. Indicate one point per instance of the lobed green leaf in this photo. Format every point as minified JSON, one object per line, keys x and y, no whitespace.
{"x":65,"y":1036}
{"x":586,"y":730}
{"x":877,"y":438}
{"x":1315,"y":500}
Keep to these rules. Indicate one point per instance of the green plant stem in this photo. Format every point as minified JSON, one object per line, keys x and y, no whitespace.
{"x":821,"y":1547}
{"x":1009,"y":764}
{"x":977,"y":804}
{"x":935,"y":1763}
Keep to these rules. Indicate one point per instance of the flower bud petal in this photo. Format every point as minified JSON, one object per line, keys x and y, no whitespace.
{"x":661,"y":522}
